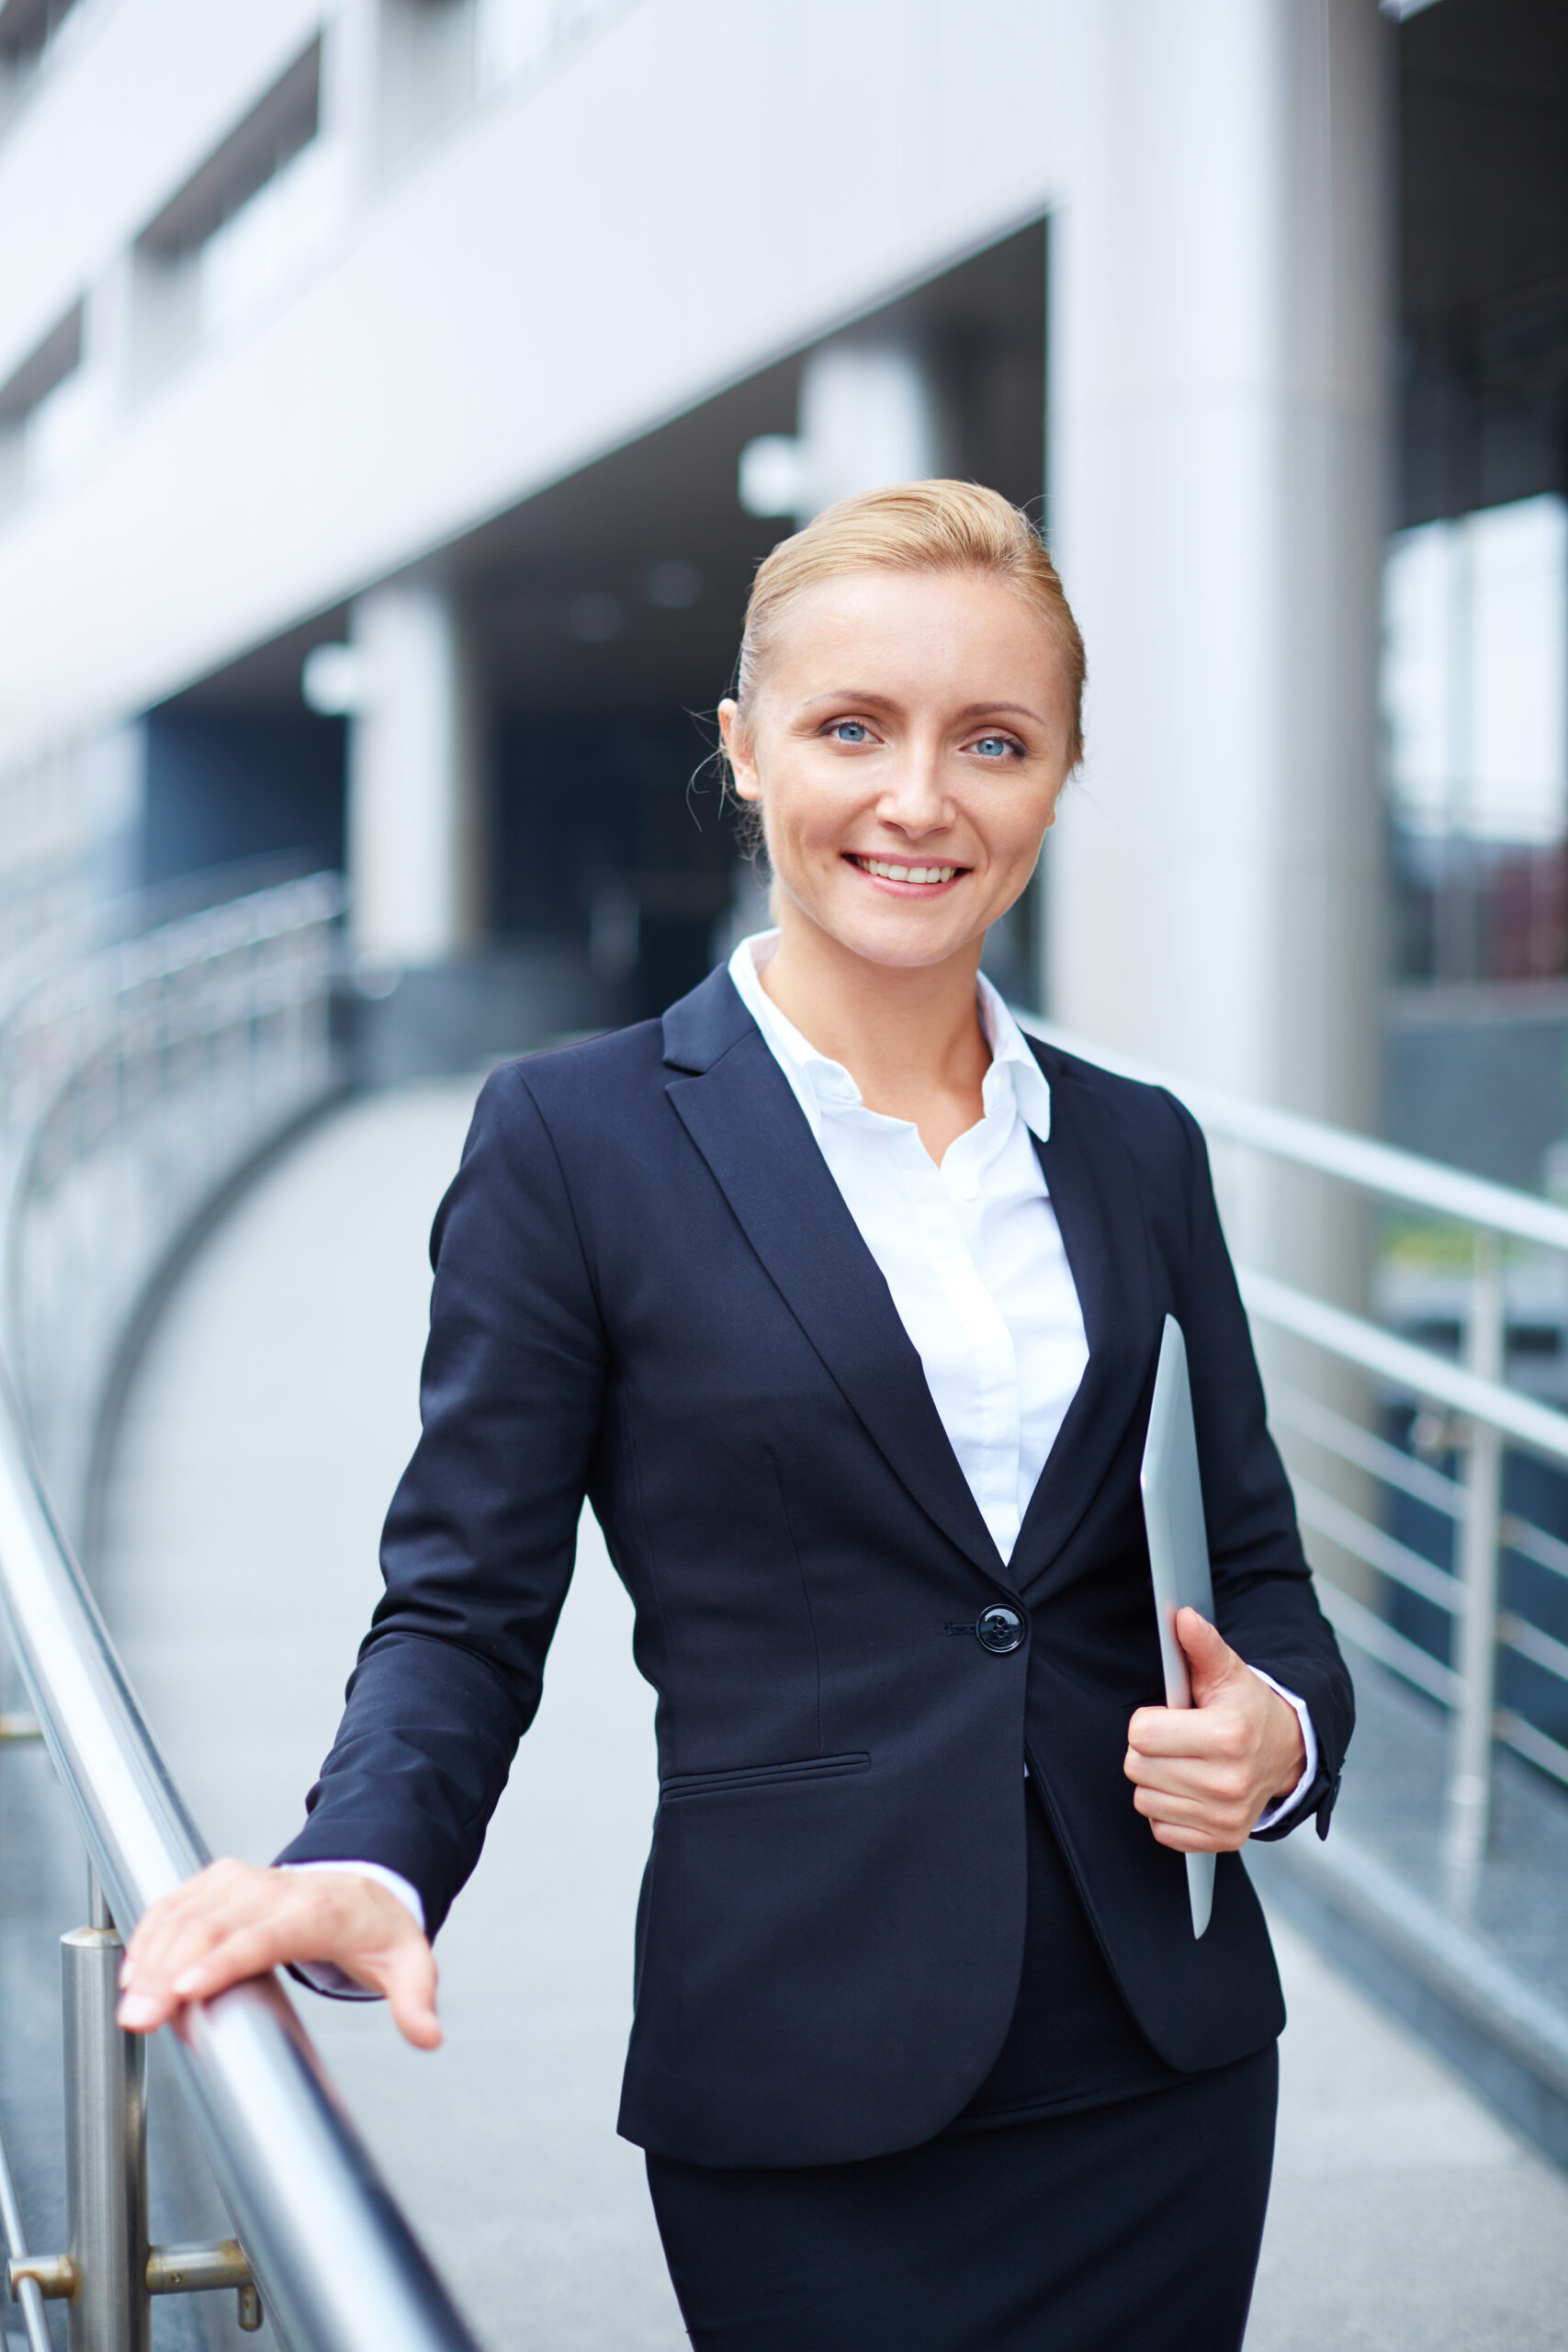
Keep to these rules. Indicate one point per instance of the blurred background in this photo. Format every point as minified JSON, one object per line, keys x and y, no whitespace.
{"x":396,"y":397}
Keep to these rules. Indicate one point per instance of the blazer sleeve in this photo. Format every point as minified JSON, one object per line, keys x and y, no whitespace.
{"x":1263,"y":1600}
{"x":481,"y":1535}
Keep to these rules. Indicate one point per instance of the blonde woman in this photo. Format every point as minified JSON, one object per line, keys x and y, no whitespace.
{"x":839,"y":1300}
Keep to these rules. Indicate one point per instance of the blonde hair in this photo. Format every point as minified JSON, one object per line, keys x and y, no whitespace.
{"x":915,"y":526}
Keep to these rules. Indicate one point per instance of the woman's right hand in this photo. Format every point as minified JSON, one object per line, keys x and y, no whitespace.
{"x":233,"y":1920}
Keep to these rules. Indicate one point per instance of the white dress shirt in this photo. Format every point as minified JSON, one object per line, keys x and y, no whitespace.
{"x":973,"y":1255}
{"x":970,"y":1250}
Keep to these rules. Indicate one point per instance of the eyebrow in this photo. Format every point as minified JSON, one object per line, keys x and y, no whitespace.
{"x":874,"y":701}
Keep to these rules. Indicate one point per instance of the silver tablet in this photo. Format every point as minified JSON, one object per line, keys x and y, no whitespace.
{"x":1178,"y":1549}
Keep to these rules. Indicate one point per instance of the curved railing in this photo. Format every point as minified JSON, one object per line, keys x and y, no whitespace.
{"x":138,"y":1070}
{"x":1472,"y":1413}
{"x":139,"y":1077}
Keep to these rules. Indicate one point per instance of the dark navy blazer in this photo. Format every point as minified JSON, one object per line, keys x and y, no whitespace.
{"x":648,"y":1290}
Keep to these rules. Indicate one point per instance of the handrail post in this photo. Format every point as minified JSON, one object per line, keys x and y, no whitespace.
{"x":105,"y":2152}
{"x":1470,"y":1772}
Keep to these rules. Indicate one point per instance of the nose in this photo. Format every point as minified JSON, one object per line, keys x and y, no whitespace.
{"x":913,"y":799}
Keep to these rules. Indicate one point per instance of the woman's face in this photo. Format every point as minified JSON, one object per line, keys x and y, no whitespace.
{"x":907,"y":744}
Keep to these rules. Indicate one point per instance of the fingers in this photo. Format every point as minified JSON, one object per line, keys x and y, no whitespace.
{"x":1215,"y":1793}
{"x":195,"y":1954}
{"x":172,"y":1934}
{"x":233,"y":1921}
{"x":408,"y":1979}
{"x":1197,"y":1825}
{"x":1203,"y":1642}
{"x":1222,"y":1798}
{"x":1217,"y":1733}
{"x":1180,"y":1840}
{"x":1220,"y":1773}
{"x":1215,"y":1665}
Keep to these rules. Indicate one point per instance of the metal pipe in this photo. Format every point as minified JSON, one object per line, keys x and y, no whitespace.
{"x":27,"y":2292}
{"x":1470,"y":1772}
{"x":339,"y":2267}
{"x":105,"y":2153}
{"x":1375,"y":1168}
{"x":191,"y":2270}
{"x":196,"y":2270}
{"x":1403,"y":1366}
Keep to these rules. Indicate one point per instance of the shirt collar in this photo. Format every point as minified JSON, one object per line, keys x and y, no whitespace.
{"x":822,"y":1085}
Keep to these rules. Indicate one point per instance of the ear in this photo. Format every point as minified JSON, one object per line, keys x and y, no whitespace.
{"x":735,"y":737}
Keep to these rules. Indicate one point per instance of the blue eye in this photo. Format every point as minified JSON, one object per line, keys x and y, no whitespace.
{"x":849,"y":730}
{"x":995,"y":747}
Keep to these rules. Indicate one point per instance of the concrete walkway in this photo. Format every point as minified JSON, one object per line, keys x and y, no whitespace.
{"x":266,"y":1430}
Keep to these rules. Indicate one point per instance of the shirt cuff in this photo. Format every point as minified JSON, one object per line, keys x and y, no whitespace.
{"x":1281,"y":1805}
{"x":324,"y":1975}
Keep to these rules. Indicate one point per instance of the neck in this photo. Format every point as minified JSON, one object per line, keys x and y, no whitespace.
{"x":909,"y":1035}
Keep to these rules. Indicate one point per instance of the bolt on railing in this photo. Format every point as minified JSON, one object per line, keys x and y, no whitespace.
{"x":110,"y":2272}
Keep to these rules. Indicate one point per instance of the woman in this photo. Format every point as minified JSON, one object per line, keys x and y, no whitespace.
{"x":840,"y":1304}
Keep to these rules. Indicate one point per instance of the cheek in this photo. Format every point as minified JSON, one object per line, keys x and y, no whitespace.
{"x":806,"y":810}
{"x":1013,"y":834}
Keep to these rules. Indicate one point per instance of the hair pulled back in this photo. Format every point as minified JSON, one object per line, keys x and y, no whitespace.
{"x":914,"y":527}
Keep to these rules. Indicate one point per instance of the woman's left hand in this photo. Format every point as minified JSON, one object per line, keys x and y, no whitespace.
{"x":1203,"y":1774}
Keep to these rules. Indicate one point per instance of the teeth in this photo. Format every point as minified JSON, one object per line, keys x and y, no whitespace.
{"x":886,"y":873}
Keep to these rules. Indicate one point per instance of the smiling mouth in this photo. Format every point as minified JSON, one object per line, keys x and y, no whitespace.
{"x":883,"y":869}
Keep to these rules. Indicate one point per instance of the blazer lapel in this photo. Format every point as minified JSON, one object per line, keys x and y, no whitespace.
{"x":1094,"y":1193}
{"x":742,"y":1115}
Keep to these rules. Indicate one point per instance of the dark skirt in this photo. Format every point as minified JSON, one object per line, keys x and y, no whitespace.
{"x":1132,"y":2227}
{"x":1089,"y":2199}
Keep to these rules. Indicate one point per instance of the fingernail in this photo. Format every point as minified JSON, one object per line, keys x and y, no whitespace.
{"x":135,"y":2009}
{"x":189,"y":1983}
{"x":125,"y":1973}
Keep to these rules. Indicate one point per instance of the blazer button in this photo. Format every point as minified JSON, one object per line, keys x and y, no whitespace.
{"x":999,"y":1630}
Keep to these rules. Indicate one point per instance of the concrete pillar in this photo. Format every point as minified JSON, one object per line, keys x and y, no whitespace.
{"x":1219,"y":325}
{"x":1216,"y":463}
{"x":350,"y":112}
{"x":414,"y":808}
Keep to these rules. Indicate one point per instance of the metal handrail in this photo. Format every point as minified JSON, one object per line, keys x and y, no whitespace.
{"x":1376,"y":1167}
{"x":1419,"y":1370}
{"x":336,"y":2262}
{"x":339,"y":2267}
{"x":135,"y":1076}
{"x":1485,"y":1411}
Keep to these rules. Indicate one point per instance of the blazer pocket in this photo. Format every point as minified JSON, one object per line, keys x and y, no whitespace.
{"x":760,"y":1776}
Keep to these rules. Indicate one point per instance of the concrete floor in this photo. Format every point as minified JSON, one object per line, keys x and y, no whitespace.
{"x":266,"y":1429}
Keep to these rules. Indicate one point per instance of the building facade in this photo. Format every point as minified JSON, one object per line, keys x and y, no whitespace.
{"x":395,"y":396}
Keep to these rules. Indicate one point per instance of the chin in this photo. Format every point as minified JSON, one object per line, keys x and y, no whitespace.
{"x":902,"y":938}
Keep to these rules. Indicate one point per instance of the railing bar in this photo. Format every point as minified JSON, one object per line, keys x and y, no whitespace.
{"x":1341,"y":1435}
{"x":1405,"y":1366}
{"x":331,"y":2253}
{"x":29,"y":2293}
{"x":1535,"y":1543}
{"x":1529,"y":1641}
{"x":1391,"y":1558}
{"x":1376,"y":1167}
{"x":1379,"y":1641}
{"x":1534,"y":1746}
